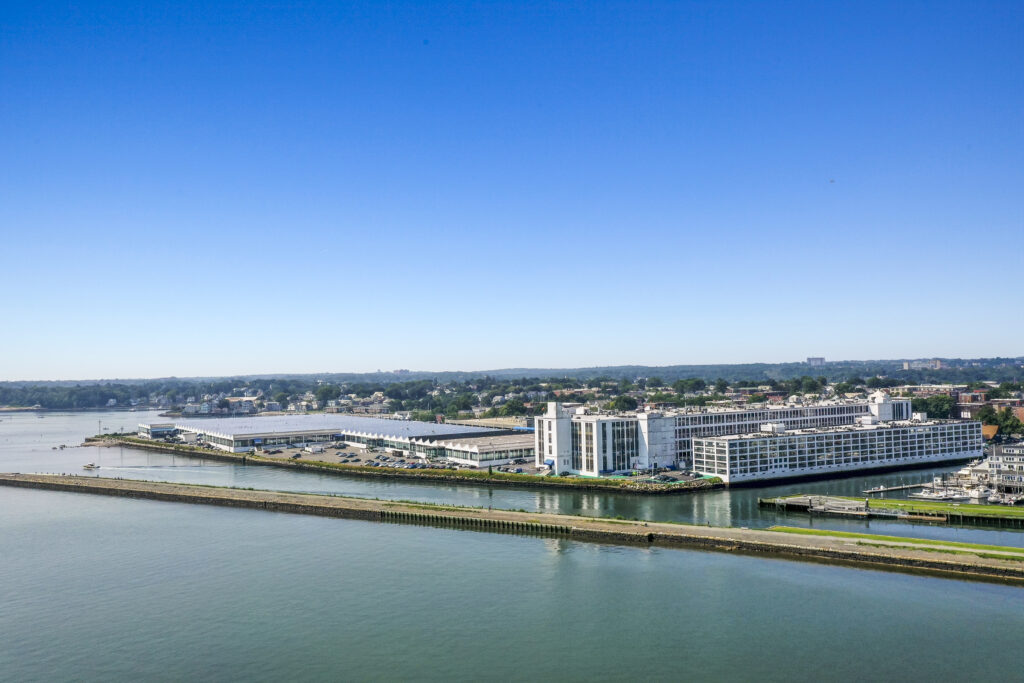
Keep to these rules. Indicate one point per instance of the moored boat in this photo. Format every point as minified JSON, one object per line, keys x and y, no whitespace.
{"x":978,"y":493}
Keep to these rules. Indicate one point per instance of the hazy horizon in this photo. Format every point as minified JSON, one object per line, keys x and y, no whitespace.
{"x":540,"y":369}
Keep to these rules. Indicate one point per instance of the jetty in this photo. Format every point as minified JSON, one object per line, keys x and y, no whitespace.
{"x":942,"y":558}
{"x":901,"y":487}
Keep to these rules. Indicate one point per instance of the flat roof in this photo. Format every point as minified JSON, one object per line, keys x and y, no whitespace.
{"x":838,"y":429}
{"x":240,"y":427}
{"x":490,"y":443}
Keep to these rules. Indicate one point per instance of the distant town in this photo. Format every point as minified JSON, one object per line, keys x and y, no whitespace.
{"x":820,"y":420}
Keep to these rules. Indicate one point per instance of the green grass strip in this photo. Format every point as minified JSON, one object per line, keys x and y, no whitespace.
{"x":934,"y":506}
{"x":947,"y":551}
{"x":894,"y":539}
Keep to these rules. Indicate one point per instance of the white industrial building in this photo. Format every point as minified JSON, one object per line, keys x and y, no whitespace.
{"x":573,"y":439}
{"x":465,"y":444}
{"x":776,"y":452}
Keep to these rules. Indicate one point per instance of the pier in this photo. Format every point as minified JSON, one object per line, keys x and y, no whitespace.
{"x":902,"y":487}
{"x":918,"y":555}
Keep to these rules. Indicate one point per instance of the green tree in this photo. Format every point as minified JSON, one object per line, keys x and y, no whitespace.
{"x":809,"y":385}
{"x":987,"y":415}
{"x":622,"y":402}
{"x":941,"y":406}
{"x":512,"y":408}
{"x":327,"y":392}
{"x":721,"y":386}
{"x":689,"y":386}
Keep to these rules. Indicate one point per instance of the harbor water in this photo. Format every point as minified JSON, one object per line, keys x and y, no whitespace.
{"x":115,"y":589}
{"x":26,"y":445}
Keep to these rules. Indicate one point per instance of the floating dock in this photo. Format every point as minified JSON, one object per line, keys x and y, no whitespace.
{"x":916,"y":555}
{"x":902,"y":487}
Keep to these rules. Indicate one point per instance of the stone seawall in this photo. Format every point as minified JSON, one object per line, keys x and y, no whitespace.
{"x":1005,"y":565}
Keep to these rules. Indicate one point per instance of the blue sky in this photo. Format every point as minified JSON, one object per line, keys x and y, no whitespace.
{"x":206,"y":189}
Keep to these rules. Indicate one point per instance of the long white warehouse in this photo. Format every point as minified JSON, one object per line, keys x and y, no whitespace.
{"x":776,"y":453}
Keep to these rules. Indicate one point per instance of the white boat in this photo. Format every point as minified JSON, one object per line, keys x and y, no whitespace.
{"x":929,"y":495}
{"x":978,"y":493}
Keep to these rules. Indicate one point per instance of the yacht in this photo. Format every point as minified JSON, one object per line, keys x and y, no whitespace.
{"x":929,"y":495}
{"x":979,"y":493}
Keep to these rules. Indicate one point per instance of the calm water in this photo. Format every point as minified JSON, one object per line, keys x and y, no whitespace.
{"x":109,"y":589}
{"x":26,"y":443}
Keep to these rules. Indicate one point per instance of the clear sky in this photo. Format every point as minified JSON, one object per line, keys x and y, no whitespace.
{"x":207,"y":189}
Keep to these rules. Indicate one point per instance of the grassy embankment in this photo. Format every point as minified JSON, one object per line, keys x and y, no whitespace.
{"x":476,"y":476}
{"x":894,"y":539}
{"x":927,"y":545}
{"x":935,"y":506}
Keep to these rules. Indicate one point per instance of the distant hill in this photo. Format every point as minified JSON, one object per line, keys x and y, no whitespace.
{"x":954,"y":369}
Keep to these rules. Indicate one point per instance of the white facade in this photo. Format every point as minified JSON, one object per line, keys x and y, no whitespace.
{"x":741,"y":458}
{"x":573,"y":440}
{"x":1006,"y":466}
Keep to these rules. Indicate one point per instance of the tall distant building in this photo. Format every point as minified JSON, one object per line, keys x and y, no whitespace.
{"x":815,"y":361}
{"x":935,"y":364}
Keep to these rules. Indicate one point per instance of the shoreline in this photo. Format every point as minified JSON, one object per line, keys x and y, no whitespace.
{"x":1004,"y":564}
{"x":429,"y":475}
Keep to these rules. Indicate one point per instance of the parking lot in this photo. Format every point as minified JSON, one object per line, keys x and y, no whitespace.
{"x":360,"y":456}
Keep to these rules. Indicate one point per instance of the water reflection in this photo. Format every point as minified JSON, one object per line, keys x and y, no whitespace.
{"x":26,"y":446}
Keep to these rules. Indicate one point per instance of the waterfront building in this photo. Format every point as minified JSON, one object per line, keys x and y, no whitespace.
{"x":1006,"y":467}
{"x":156,"y":430}
{"x":478,"y":451}
{"x":467,"y":444}
{"x":775,"y":452}
{"x":574,"y":439}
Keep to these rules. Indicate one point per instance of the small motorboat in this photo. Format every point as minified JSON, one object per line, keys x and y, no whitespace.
{"x":91,"y":466}
{"x":979,"y":493}
{"x":928,"y":495}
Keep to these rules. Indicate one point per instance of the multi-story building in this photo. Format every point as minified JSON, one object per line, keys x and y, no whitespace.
{"x":1006,"y":468}
{"x":934,"y":364}
{"x":573,"y":439}
{"x":775,"y":452}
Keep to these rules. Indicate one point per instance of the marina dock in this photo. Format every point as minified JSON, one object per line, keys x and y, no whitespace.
{"x":918,"y":555}
{"x":902,"y":487}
